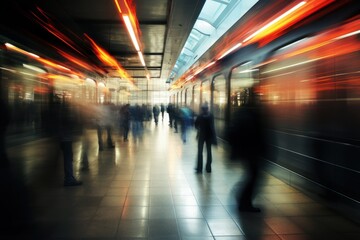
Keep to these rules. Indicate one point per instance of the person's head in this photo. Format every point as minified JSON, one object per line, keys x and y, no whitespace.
{"x":205,"y":108}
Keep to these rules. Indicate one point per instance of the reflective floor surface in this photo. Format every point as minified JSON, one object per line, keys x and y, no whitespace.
{"x":146,"y":188}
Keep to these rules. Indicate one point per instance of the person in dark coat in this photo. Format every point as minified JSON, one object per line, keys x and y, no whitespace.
{"x":162,"y":110}
{"x":170,"y":111}
{"x":125,"y":120}
{"x":156,"y":113}
{"x":68,"y":129}
{"x":247,"y":138}
{"x":4,"y":122}
{"x":204,"y":123}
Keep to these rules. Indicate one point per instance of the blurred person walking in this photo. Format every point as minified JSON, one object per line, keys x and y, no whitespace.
{"x":247,"y":139}
{"x":156,"y":112}
{"x":186,"y":119}
{"x":125,"y":121}
{"x":68,"y":129}
{"x":204,"y":124}
{"x":162,"y":110}
{"x":170,"y":111}
{"x":105,"y":120}
{"x":4,"y":122}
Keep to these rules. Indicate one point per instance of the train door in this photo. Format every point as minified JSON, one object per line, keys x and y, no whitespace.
{"x":219,"y":103}
{"x":206,"y":92}
{"x":242,"y":78}
{"x":196,"y":98}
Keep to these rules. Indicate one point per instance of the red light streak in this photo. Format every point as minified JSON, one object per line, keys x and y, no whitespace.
{"x":108,"y":60}
{"x":51,"y":27}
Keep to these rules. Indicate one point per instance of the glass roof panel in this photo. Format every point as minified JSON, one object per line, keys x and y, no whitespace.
{"x":212,"y":10}
{"x":214,"y":20}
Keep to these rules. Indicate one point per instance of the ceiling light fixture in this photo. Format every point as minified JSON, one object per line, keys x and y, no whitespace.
{"x":130,"y":20}
{"x":131,"y":32}
{"x":141,"y":58}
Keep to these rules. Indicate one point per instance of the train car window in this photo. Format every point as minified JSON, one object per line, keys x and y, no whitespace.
{"x":307,"y":85}
{"x":219,"y":97}
{"x":177,"y":99}
{"x":189,"y":97}
{"x":205,"y":92}
{"x":186,"y":102}
{"x":196,"y":102}
{"x":243,"y":77}
{"x":183,"y":97}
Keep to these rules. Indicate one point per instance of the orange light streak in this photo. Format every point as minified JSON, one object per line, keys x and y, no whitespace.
{"x":284,"y":19}
{"x":19,"y":50}
{"x":343,"y":33}
{"x":141,"y":58}
{"x":131,"y":32}
{"x":263,"y":31}
{"x":129,"y":17}
{"x":236,"y":46}
{"x":107,"y":59}
{"x":48,"y":24}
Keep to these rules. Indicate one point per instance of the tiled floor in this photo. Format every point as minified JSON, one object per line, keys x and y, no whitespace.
{"x":147,"y":189}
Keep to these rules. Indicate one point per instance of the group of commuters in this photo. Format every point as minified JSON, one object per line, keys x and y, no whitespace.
{"x":245,"y":135}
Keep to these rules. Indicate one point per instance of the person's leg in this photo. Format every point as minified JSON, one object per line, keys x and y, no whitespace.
{"x":4,"y":162}
{"x":84,"y":152}
{"x":126,"y":132}
{"x":100,"y":140}
{"x":247,"y":194}
{"x":109,"y":137}
{"x":183,"y":132}
{"x":175,"y":125}
{"x":209,"y":155}
{"x":66,"y":147}
{"x":200,"y":155}
{"x":69,"y":179}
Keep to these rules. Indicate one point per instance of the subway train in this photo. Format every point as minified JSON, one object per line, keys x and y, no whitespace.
{"x":33,"y":86}
{"x":308,"y":82}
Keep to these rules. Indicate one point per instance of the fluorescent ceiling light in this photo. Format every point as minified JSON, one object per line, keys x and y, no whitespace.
{"x":141,"y":58}
{"x":131,"y":32}
{"x":34,"y":68}
{"x":14,"y":48}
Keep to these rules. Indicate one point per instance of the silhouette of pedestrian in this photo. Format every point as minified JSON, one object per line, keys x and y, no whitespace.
{"x":162,"y":109}
{"x":246,"y":136}
{"x":105,"y":121}
{"x":170,"y":111}
{"x":156,"y":112}
{"x":4,"y":122}
{"x":186,"y":119}
{"x":68,"y":129}
{"x":204,"y":123}
{"x":125,"y":121}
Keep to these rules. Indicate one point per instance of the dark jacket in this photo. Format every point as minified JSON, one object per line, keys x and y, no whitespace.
{"x":246,"y":134}
{"x":204,"y":123}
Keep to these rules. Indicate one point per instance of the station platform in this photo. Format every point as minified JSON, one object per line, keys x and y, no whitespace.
{"x":146,"y":188}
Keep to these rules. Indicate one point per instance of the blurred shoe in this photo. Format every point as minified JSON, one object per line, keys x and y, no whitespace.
{"x":84,"y":168}
{"x":249,"y":209}
{"x":208,"y":168}
{"x":72,"y":183}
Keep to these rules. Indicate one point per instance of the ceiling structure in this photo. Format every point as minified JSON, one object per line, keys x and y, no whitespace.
{"x":76,"y":32}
